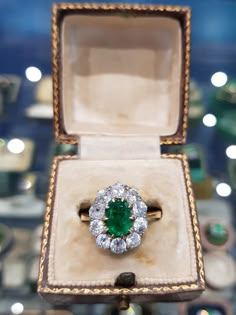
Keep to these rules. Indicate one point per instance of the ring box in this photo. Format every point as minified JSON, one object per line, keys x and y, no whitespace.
{"x":120,"y":90}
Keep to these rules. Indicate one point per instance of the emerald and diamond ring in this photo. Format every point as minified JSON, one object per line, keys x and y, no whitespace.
{"x":118,"y":218}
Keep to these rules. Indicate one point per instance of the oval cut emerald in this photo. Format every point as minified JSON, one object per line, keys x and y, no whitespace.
{"x":118,"y":217}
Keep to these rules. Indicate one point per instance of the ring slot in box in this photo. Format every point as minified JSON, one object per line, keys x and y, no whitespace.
{"x":120,"y":79}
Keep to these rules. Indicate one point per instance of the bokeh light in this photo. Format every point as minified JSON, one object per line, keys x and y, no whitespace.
{"x":33,"y":74}
{"x":219,"y":79}
{"x":17,"y":308}
{"x":223,"y":189}
{"x":209,"y":120}
{"x":16,"y":146}
{"x":231,"y":152}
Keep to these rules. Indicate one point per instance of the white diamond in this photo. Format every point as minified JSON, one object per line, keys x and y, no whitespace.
{"x":140,"y":225}
{"x":118,"y":246}
{"x":97,"y":227}
{"x":132,"y":195}
{"x":133,"y":240}
{"x":108,"y":196}
{"x":104,"y":196}
{"x":100,"y":193}
{"x":139,"y":209}
{"x":103,"y":241}
{"x":97,"y":210}
{"x":118,"y":190}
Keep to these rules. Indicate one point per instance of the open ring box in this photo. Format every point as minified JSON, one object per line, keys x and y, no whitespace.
{"x":121,"y":84}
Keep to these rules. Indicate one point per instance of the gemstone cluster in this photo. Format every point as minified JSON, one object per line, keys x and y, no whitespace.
{"x":118,"y":218}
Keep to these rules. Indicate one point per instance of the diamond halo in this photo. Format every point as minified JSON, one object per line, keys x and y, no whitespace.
{"x":118,"y":218}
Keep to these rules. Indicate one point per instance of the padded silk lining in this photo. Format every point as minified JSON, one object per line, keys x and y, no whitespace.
{"x":122,"y":148}
{"x":166,"y":254}
{"x":121,"y":76}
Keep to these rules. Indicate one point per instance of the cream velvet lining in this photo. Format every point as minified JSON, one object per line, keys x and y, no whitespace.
{"x":122,"y":148}
{"x":167,"y":252}
{"x":121,"y":75}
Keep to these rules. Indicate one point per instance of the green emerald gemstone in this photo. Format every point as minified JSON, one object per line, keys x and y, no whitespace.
{"x":216,"y":234}
{"x":118,"y":217}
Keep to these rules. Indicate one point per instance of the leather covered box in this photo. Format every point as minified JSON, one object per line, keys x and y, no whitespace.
{"x":120,"y":90}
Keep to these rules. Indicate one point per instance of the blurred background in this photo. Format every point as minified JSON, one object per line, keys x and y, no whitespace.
{"x":27,"y":148}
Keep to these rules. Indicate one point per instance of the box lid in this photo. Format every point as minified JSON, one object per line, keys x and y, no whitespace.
{"x":120,"y":69}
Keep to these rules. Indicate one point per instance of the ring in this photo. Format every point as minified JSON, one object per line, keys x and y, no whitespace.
{"x":118,"y":218}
